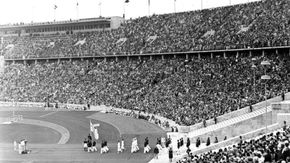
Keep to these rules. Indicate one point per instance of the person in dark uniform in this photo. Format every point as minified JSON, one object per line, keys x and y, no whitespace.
{"x":178,"y":144}
{"x":146,"y":145}
{"x":102,"y":147}
{"x":208,"y":141}
{"x":168,"y":142}
{"x":94,"y":147}
{"x":85,"y":145}
{"x":198,"y":142}
{"x":215,"y":119}
{"x":170,"y":154}
{"x":204,"y":123}
{"x":89,"y":137}
{"x":181,"y":142}
{"x":251,"y":108}
{"x":283,"y":96}
{"x":90,"y":146}
{"x":156,"y":152}
{"x":188,"y":143}
{"x":216,"y":140}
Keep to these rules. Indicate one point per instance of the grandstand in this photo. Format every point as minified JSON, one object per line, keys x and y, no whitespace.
{"x":190,"y":68}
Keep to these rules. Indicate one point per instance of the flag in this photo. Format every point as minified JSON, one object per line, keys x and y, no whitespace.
{"x":55,"y":6}
{"x":91,"y":127}
{"x":96,"y":134}
{"x":77,"y":3}
{"x":94,"y":129}
{"x":126,"y":1}
{"x":148,"y":2}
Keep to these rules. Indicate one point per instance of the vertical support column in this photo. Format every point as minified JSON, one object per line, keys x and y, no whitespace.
{"x":277,"y":51}
{"x":35,"y":61}
{"x":151,"y":58}
{"x":94,"y":59}
{"x":116,"y":59}
{"x":139,"y":58}
{"x":174,"y":56}
{"x":128,"y":58}
{"x":105,"y":59}
{"x":58,"y":61}
{"x":70,"y":60}
{"x":250,"y":53}
{"x":263,"y":53}
{"x":211,"y":55}
{"x":186,"y":56}
{"x":225,"y":55}
{"x":198,"y":56}
{"x":162,"y":57}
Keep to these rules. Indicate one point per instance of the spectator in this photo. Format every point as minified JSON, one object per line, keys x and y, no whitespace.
{"x":170,"y":153}
{"x":208,"y":141}
{"x":198,"y":142}
{"x":265,"y":148}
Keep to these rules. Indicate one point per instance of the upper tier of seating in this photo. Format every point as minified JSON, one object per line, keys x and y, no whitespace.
{"x":255,"y":24}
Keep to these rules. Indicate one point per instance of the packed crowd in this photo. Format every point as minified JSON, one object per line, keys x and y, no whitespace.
{"x":185,"y":91}
{"x":269,"y":148}
{"x":255,"y":24}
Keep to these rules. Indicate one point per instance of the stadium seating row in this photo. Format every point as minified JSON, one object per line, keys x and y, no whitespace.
{"x":256,"y":24}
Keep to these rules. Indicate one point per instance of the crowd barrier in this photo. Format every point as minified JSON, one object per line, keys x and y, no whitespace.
{"x":186,"y":129}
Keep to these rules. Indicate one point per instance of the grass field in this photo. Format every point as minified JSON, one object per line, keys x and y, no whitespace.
{"x":43,"y":140}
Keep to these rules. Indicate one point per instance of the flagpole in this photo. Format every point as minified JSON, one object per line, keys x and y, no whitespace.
{"x":54,"y":14}
{"x":77,"y":10}
{"x":148,"y":7}
{"x":90,"y":126}
{"x":100,"y":6}
{"x":201,"y":5}
{"x":174,"y":6}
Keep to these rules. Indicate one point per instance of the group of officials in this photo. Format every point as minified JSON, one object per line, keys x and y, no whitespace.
{"x":91,"y":146}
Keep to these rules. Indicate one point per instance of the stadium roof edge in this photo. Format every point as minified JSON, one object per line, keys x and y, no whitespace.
{"x":58,"y":22}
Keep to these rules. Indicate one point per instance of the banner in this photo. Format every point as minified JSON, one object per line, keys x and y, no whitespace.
{"x":96,"y":134}
{"x":91,"y":127}
{"x":94,"y":129}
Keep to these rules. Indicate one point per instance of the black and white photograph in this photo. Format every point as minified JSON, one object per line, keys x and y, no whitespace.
{"x":144,"y":81}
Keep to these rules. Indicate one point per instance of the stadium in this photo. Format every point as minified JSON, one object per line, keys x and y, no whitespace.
{"x":209,"y":85}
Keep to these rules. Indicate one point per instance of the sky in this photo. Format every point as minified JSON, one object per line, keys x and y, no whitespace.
{"x":27,"y":11}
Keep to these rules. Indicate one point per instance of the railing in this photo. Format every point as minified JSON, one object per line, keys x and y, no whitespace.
{"x":95,"y":55}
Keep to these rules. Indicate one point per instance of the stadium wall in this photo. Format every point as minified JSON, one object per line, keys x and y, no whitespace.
{"x":233,"y":114}
{"x":234,"y":140}
{"x":281,"y":117}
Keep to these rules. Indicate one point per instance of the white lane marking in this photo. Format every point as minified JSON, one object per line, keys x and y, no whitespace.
{"x":65,"y":134}
{"x":48,"y":114}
